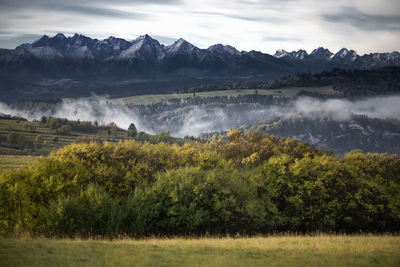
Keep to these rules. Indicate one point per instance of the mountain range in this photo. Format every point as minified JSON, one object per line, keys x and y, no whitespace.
{"x":75,"y":66}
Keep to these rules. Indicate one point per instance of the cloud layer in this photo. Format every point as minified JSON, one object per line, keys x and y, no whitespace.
{"x":265,"y":25}
{"x":193,"y":120}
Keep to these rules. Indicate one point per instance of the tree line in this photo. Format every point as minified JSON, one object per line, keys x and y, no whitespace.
{"x":348,"y":83}
{"x":239,"y":183}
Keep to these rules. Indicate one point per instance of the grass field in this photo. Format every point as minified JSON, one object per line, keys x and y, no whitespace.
{"x":323,"y":250}
{"x":288,"y":92}
{"x":14,"y":162}
{"x":49,"y":143}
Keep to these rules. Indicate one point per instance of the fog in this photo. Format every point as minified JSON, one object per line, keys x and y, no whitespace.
{"x":193,"y":120}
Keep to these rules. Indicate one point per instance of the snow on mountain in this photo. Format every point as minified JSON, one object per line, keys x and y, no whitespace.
{"x":379,"y":60}
{"x":182,"y":47}
{"x":110,"y":47}
{"x":45,"y":52}
{"x":321,"y":53}
{"x":148,"y":49}
{"x":223,"y":50}
{"x":281,"y":53}
{"x":300,"y":54}
{"x":345,"y":54}
{"x":144,"y":47}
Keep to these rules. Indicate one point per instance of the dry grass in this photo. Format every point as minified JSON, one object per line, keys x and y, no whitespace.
{"x":319,"y":250}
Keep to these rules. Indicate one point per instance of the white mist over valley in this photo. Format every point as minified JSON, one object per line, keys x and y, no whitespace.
{"x":192,"y":120}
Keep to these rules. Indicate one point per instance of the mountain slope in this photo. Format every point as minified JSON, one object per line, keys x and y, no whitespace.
{"x":119,"y":67}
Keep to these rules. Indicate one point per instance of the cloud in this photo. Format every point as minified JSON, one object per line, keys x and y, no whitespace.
{"x":99,"y":11}
{"x":280,"y":39}
{"x":11,"y":40}
{"x":194,"y":120}
{"x":164,"y":39}
{"x":268,"y":19}
{"x":54,"y":3}
{"x":246,"y":24}
{"x":364,"y":21}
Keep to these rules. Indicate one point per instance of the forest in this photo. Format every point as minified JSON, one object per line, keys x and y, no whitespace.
{"x":347,"y":83}
{"x":241,"y":183}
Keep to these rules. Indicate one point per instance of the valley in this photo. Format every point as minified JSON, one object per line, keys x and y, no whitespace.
{"x":199,"y":133}
{"x":186,"y":97}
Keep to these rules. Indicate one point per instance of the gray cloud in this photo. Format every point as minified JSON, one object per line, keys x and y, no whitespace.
{"x":12,"y":40}
{"x":53,"y":3}
{"x":164,"y":39}
{"x":292,"y":22}
{"x":280,"y":39}
{"x":364,"y":21}
{"x":268,"y":19}
{"x":99,"y":11}
{"x":94,"y":8}
{"x":262,"y":3}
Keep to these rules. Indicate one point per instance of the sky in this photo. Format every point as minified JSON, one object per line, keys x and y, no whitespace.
{"x":265,"y":25}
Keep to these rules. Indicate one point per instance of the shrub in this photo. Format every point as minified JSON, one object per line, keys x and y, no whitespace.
{"x":241,"y":183}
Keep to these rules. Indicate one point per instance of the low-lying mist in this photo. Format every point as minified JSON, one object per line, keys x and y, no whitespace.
{"x":193,"y":120}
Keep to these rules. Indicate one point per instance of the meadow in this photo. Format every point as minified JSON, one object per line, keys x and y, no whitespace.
{"x":22,"y":140}
{"x":285,"y":250}
{"x":285,"y":92}
{"x":35,"y":138}
{"x":15,"y":162}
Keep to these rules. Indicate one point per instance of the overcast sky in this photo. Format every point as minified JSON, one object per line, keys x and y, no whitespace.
{"x":264,"y":25}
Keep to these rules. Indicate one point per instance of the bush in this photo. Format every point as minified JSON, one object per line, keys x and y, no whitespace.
{"x":189,"y":201}
{"x":64,"y":130}
{"x":241,"y":183}
{"x":92,"y":213}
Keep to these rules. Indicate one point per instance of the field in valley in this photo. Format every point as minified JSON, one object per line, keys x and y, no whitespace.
{"x":320,"y":250}
{"x":14,"y":162}
{"x":286,"y":92}
{"x":29,"y":133}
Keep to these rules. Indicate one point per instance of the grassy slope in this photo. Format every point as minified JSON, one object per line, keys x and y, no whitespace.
{"x":14,"y":162}
{"x":260,"y":251}
{"x":9,"y":126}
{"x":288,"y":92}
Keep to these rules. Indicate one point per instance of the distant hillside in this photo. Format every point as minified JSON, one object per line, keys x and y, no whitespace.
{"x":347,"y":83}
{"x":340,"y":136}
{"x":76,"y":66}
{"x":21,"y":137}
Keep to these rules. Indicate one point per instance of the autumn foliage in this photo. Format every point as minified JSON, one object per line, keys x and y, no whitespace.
{"x":240,"y":183}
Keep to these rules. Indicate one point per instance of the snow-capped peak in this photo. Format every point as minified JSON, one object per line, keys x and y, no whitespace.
{"x":146,"y":38}
{"x":41,"y":41}
{"x":280,"y":53}
{"x":300,"y":54}
{"x":344,"y":53}
{"x":181,"y":46}
{"x":223,"y":49}
{"x":60,"y":36}
{"x":144,"y":47}
{"x":321,"y":52}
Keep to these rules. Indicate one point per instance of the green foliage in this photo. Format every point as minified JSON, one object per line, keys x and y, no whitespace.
{"x":344,"y":82}
{"x":92,"y":213}
{"x":17,"y":138}
{"x":64,"y":130}
{"x":240,"y":183}
{"x":189,"y":200}
{"x":132,"y":131}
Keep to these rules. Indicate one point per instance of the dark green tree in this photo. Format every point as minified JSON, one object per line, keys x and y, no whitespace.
{"x":132,"y":131}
